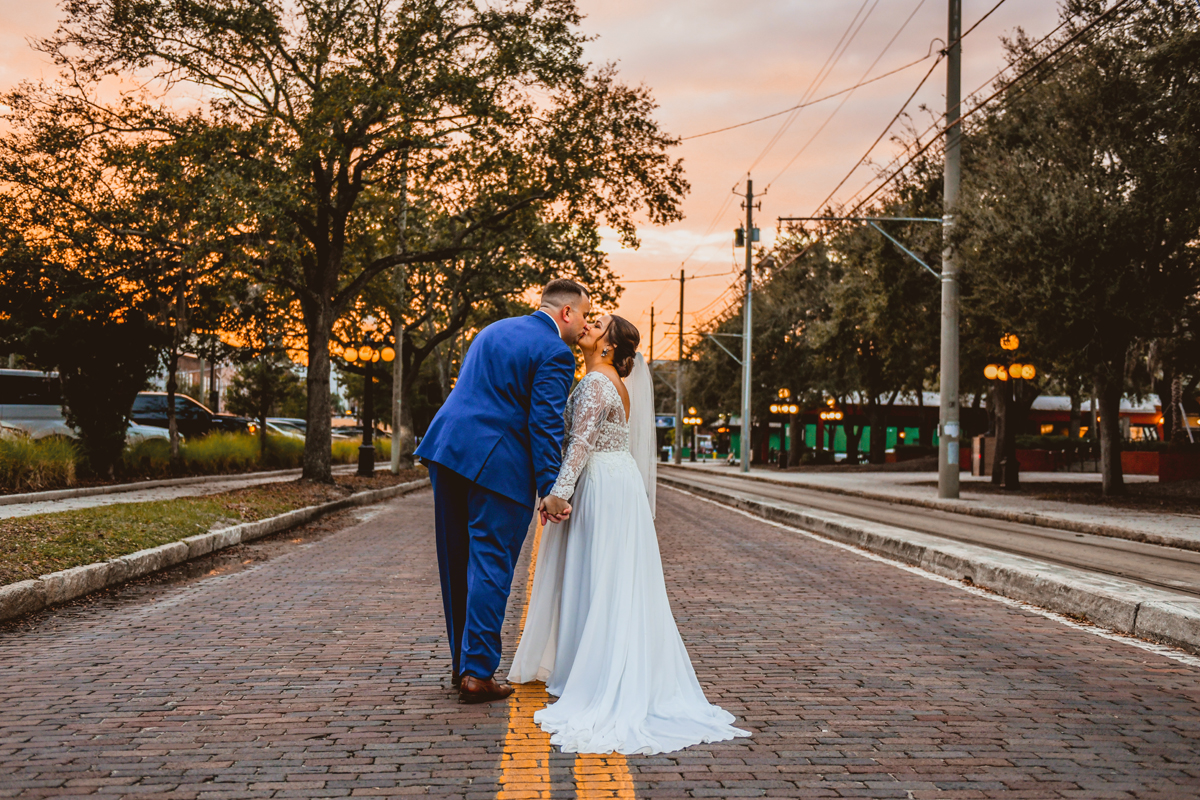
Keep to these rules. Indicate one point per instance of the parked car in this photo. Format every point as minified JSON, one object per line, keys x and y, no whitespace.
{"x":31,"y":405}
{"x":292,"y":422}
{"x":31,"y":401}
{"x":193,"y":419}
{"x":284,"y":429}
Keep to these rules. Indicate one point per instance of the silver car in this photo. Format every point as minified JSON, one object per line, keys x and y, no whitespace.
{"x":31,"y":405}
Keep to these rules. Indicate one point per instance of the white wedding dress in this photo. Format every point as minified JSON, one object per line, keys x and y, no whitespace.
{"x":599,"y":629}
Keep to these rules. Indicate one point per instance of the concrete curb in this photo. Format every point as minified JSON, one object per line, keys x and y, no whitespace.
{"x":90,"y":491}
{"x":26,"y":597}
{"x":1025,"y":518}
{"x":1112,"y":603}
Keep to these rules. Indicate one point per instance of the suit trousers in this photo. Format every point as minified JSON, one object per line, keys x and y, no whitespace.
{"x":479,"y":538}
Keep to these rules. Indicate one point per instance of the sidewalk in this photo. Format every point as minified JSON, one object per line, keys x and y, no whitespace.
{"x":919,"y":488}
{"x":325,"y":672}
{"x":134,"y":493}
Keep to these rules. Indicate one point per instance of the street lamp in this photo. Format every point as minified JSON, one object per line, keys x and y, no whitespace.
{"x":371,"y":351}
{"x":695,"y":422}
{"x":1006,"y":377}
{"x":786,"y":409}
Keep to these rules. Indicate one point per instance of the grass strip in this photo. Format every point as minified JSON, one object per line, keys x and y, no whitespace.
{"x":44,"y":543}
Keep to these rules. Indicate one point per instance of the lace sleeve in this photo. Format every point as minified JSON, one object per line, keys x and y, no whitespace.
{"x":589,"y":409}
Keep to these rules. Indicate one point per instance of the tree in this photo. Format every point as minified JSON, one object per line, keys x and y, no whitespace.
{"x":81,"y":325}
{"x":263,"y":386}
{"x":1081,"y":198}
{"x":315,"y":114}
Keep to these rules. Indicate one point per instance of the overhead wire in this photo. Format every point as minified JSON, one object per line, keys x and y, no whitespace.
{"x":1001,"y":90}
{"x":847,"y":97}
{"x":936,"y":123}
{"x":998,"y":92}
{"x":903,"y":107}
{"x":799,"y":106}
{"x":831,"y":61}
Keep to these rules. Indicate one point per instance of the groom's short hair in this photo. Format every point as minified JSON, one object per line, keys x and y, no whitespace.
{"x":563,"y":291}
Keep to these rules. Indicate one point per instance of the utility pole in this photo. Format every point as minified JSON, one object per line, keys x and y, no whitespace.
{"x":651,"y":337}
{"x":948,"y":428}
{"x":679,"y":380}
{"x":747,"y":327}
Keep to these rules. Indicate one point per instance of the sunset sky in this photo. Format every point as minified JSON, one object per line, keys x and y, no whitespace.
{"x":711,"y":64}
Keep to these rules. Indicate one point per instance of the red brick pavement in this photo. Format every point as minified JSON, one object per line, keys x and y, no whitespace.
{"x":322,"y":673}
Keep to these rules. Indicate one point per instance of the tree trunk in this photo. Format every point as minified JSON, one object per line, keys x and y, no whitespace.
{"x":877,"y":419}
{"x":1164,"y":387}
{"x":853,"y":434}
{"x":172,"y":418}
{"x":1076,"y":414}
{"x":1179,"y":423}
{"x":1109,"y":383}
{"x":402,"y":432}
{"x":998,"y":408}
{"x":796,"y":437}
{"x":318,"y":320}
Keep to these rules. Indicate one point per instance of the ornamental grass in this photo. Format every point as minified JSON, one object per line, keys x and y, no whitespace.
{"x":31,"y":465}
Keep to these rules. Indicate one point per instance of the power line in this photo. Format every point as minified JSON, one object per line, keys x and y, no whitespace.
{"x":899,"y":113}
{"x":690,"y":278}
{"x":1059,"y":48}
{"x":1001,"y":90}
{"x":943,"y":128}
{"x":879,"y":138}
{"x":834,"y":113}
{"x":799,"y":106}
{"x":830,"y":62}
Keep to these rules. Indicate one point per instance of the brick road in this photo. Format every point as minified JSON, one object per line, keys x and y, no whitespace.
{"x":322,"y":673}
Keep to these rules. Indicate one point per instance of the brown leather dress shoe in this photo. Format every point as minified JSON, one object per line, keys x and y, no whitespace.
{"x":477,"y":690}
{"x":455,"y":679}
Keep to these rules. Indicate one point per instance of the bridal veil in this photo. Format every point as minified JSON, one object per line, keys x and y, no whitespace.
{"x":643,"y":442}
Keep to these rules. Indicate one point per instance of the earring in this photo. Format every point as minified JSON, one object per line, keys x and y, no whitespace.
{"x":604,"y":352}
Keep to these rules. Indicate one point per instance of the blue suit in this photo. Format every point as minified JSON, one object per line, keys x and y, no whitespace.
{"x":493,"y":447}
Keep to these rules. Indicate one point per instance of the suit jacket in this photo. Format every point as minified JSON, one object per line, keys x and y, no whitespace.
{"x":502,"y":426}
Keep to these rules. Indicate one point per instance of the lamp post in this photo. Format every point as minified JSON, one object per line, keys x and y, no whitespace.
{"x":695,"y":422}
{"x":1004,"y":378}
{"x":371,"y":351}
{"x":833,"y":415}
{"x":787,"y":409}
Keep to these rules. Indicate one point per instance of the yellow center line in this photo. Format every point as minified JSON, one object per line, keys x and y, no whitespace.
{"x":525,"y":763}
{"x":602,"y":776}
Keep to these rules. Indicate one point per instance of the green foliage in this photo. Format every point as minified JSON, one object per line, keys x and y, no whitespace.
{"x":102,"y":343}
{"x":265,"y":387}
{"x":345,"y":451}
{"x":30,"y":465}
{"x":321,"y":127}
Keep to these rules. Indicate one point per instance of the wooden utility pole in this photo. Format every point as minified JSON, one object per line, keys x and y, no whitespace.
{"x":679,"y":380}
{"x":651,"y":337}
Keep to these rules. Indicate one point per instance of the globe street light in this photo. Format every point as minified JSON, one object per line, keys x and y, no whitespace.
{"x":1005,"y":392}
{"x":370,"y":352}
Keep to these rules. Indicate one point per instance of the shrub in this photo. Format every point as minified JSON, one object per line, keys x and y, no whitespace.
{"x":345,"y":451}
{"x":29,"y":465}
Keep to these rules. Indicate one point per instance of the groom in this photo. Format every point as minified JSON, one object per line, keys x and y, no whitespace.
{"x":494,"y":446}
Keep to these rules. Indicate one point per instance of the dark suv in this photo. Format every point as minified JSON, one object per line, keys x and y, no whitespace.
{"x":192,"y":418}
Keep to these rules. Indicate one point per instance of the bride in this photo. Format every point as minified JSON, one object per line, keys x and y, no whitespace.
{"x":599,"y":629}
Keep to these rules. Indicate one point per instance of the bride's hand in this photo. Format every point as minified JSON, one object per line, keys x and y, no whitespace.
{"x":554,"y":509}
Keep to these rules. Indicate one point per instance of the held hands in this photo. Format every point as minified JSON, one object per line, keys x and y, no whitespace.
{"x":554,"y":509}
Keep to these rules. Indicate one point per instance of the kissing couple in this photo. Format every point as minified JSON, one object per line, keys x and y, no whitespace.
{"x":599,"y":629}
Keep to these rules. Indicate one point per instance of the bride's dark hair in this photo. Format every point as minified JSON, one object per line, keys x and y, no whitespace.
{"x":624,"y":339}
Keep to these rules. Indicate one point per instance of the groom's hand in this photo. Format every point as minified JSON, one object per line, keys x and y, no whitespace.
{"x":554,"y":509}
